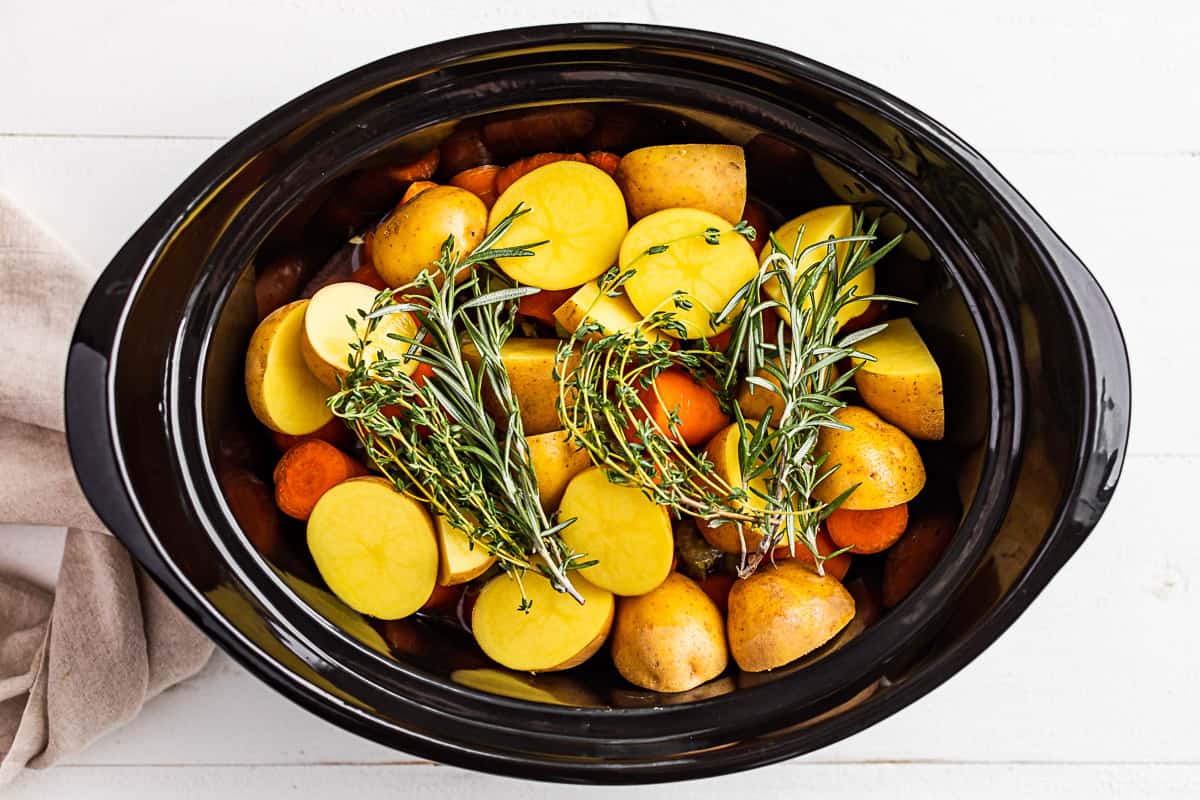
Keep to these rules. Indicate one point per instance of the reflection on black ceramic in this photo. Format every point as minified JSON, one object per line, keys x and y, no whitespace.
{"x":1038,"y":392}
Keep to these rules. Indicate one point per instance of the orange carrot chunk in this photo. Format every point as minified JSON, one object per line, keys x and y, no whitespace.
{"x":868,"y":531}
{"x":717,"y":587}
{"x":306,"y":472}
{"x":915,"y":555}
{"x":604,"y":160}
{"x":837,"y":566}
{"x":541,"y":306}
{"x":509,"y":174}
{"x":696,"y":410}
{"x":480,"y":181}
{"x":367,"y":274}
{"x":420,"y":170}
{"x":415,"y":189}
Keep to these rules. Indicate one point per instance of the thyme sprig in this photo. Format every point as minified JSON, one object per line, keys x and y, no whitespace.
{"x":799,"y":365}
{"x":600,"y":375}
{"x":434,"y":438}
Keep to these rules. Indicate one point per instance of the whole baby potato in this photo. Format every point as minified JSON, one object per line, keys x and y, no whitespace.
{"x":671,"y":639}
{"x":410,"y":239}
{"x":710,"y":177}
{"x":877,"y":456}
{"x":783,"y":612}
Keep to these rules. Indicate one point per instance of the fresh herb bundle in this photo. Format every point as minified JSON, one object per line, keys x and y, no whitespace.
{"x":600,"y":375}
{"x":433,"y":438}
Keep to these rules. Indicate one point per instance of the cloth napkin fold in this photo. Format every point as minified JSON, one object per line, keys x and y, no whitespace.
{"x":83,"y":659}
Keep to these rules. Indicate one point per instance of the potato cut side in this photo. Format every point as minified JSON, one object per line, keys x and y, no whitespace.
{"x":555,"y":633}
{"x":609,"y":314}
{"x":530,"y":366}
{"x":375,"y":548}
{"x":706,"y":275}
{"x":671,"y":639}
{"x":577,"y":210}
{"x":903,"y":384}
{"x":783,"y":612}
{"x":555,"y":462}
{"x":328,"y":336}
{"x":710,"y":177}
{"x":818,"y":225}
{"x":283,"y":393}
{"x":626,"y":532}
{"x":459,"y":561}
{"x":875,"y":455}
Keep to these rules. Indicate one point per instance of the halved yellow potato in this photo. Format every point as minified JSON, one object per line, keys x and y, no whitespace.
{"x":707,"y":275}
{"x":555,"y":462}
{"x":783,"y":612}
{"x":875,"y":455}
{"x":284,"y":395}
{"x":555,"y":633}
{"x":580,"y":213}
{"x":328,"y":335}
{"x":710,"y":177}
{"x":530,"y":366}
{"x":611,"y":314}
{"x":375,"y":547}
{"x":819,"y":225}
{"x":671,"y":639}
{"x":617,"y":525}
{"x":903,"y":384}
{"x":459,"y":561}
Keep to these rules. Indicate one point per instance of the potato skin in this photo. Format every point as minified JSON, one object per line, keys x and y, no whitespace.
{"x":876,"y":455}
{"x":410,"y":238}
{"x":530,"y":366}
{"x":710,"y":177}
{"x":671,"y":639}
{"x":783,"y":612}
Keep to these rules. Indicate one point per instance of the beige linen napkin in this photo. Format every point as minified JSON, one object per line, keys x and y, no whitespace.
{"x":82,"y":660}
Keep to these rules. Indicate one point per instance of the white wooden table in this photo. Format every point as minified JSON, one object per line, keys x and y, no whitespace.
{"x":1092,"y":109}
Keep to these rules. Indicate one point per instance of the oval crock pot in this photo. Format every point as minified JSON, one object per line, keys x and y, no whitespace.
{"x":1037,"y":384}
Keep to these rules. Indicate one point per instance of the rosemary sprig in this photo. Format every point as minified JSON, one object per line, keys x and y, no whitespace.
{"x":434,"y":439}
{"x":780,"y":454}
{"x":599,"y":378}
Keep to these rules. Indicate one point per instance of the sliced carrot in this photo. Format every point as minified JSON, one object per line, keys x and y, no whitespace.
{"x":915,"y":555}
{"x":837,"y":566}
{"x":869,"y":317}
{"x":334,"y":432}
{"x":444,"y":598}
{"x":756,"y":215}
{"x":367,"y":274}
{"x":541,"y":306}
{"x":464,"y":149}
{"x":604,"y":160}
{"x":420,"y":169}
{"x":415,"y":189}
{"x":509,"y":174}
{"x":480,"y":181}
{"x":250,"y":501}
{"x":717,"y":587}
{"x":306,"y":472}
{"x":422,"y":373}
{"x":698,"y":413}
{"x":867,"y":531}
{"x":538,"y":129}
